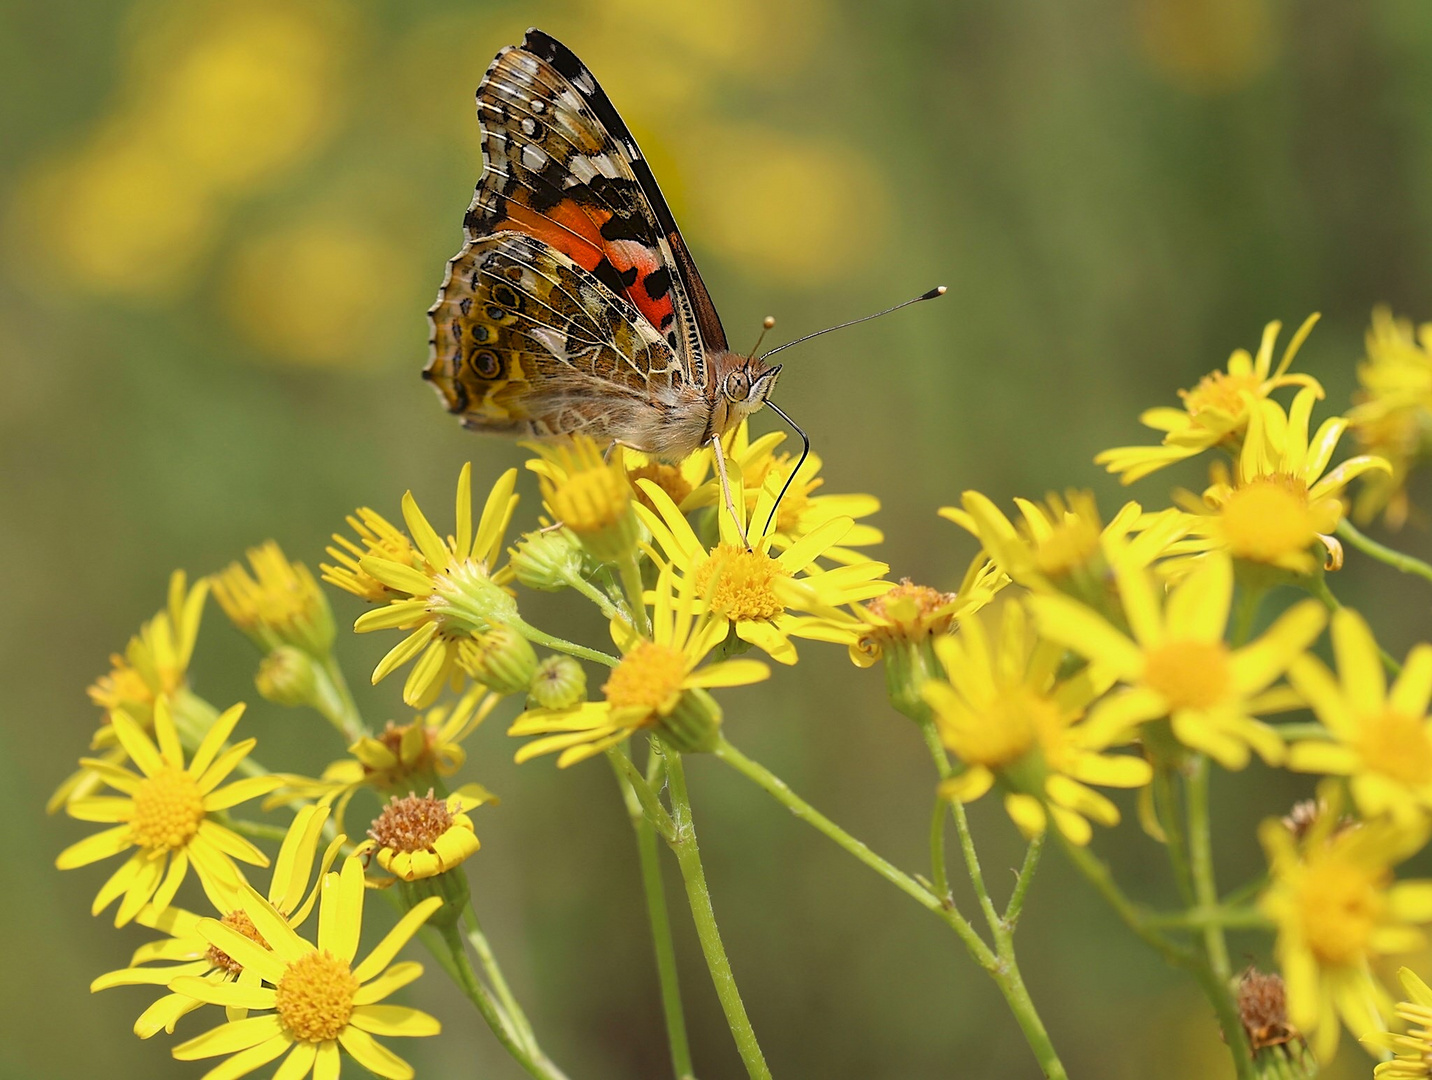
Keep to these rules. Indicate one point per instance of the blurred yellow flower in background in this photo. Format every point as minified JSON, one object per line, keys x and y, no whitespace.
{"x":1216,"y":411}
{"x":1413,"y":1049}
{"x":1336,"y":907}
{"x":218,"y":98}
{"x":1392,"y":416}
{"x":279,"y":604}
{"x":1382,"y":741}
{"x":1207,"y":46}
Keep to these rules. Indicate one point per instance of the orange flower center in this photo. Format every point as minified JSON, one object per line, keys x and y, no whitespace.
{"x":314,"y":996}
{"x":740,"y":583}
{"x":666,"y":477}
{"x":1218,"y":392}
{"x":239,"y":921}
{"x":650,"y":676}
{"x":167,"y":810}
{"x":412,"y":823}
{"x":418,"y":756}
{"x":1397,"y":745}
{"x":1268,"y":519}
{"x":1339,"y":905}
{"x":910,"y":613}
{"x":1190,"y":674}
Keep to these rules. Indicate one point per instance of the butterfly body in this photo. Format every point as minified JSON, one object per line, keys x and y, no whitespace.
{"x":574,"y":304}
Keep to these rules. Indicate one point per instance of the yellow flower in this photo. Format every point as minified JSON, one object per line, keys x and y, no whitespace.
{"x":801,"y":511}
{"x":911,"y":614}
{"x":399,"y":757}
{"x":319,"y":1000}
{"x":1413,"y":1050}
{"x":1336,"y":906}
{"x":754,"y":592}
{"x":589,"y":495}
{"x":1063,"y":545}
{"x":1393,"y":414}
{"x":1383,"y":742}
{"x":1216,"y":411}
{"x":186,"y":952}
{"x":1175,"y":663}
{"x":1281,"y":503}
{"x":421,"y":836}
{"x":281,"y":604}
{"x":164,"y":813}
{"x":656,"y":679}
{"x":1006,"y":715}
{"x":379,"y":538}
{"x":686,"y":482}
{"x":455,"y":593}
{"x":155,"y":662}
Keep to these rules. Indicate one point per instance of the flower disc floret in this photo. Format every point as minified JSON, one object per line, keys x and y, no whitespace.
{"x":314,"y":998}
{"x":238,"y":921}
{"x":168,"y":809}
{"x":649,"y":677}
{"x":740,"y":584}
{"x":1190,"y":674}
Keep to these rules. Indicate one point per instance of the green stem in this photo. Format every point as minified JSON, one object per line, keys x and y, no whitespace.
{"x":1384,"y":554}
{"x":343,"y":712}
{"x":688,"y":857}
{"x":1000,"y":965}
{"x":1200,"y":850}
{"x":571,"y":648}
{"x":634,"y":782}
{"x":657,"y":915}
{"x":1166,"y":804}
{"x":1015,"y":907}
{"x":596,"y":596}
{"x":938,"y":871}
{"x":521,"y":1027}
{"x":536,"y":1065}
{"x":630,"y":570}
{"x":1138,"y":920}
{"x":962,"y":824}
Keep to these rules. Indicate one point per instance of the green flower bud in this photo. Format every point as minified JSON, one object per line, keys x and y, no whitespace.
{"x":501,"y":659}
{"x":558,"y":683}
{"x":547,"y":560}
{"x":694,"y":725}
{"x":287,"y":677}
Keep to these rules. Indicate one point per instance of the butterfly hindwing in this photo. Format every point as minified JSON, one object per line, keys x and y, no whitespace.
{"x":527,"y":341}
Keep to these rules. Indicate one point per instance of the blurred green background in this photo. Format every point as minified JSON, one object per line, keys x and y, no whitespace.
{"x":223,"y":222}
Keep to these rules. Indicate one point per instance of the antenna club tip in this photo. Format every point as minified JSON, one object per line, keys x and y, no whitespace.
{"x":769,"y":322}
{"x":940,"y":290}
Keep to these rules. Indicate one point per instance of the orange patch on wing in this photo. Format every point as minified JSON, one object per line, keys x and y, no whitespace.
{"x":576,"y":232}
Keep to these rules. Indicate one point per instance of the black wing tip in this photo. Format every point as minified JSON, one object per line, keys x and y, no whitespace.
{"x":542,"y":43}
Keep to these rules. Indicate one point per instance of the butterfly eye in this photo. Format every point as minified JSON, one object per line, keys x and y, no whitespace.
{"x":738,"y":386}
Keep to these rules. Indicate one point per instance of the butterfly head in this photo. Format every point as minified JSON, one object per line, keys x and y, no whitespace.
{"x":743,"y":384}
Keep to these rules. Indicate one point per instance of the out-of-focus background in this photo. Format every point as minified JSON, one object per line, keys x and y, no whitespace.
{"x":223,"y":221}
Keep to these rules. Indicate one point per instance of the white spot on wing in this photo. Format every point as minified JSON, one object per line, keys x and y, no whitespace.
{"x":584,"y":81}
{"x":534,"y":157}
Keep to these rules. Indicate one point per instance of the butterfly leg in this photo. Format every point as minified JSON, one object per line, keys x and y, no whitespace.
{"x":720,"y":453}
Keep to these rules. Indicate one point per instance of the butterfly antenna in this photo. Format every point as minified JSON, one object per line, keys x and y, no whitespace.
{"x":938,"y":290}
{"x":805,"y":453}
{"x":769,"y":322}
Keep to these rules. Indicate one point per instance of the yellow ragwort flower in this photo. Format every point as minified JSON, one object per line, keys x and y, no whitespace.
{"x":186,"y":952}
{"x":1216,"y":411}
{"x":1336,"y":907}
{"x":589,"y":495}
{"x":1175,"y":663}
{"x":312,"y":1000}
{"x":1382,"y":741}
{"x":280,"y":604}
{"x":801,"y":511}
{"x":756,"y":593}
{"x":421,"y":836}
{"x":399,"y":757}
{"x":1282,"y":503}
{"x":1392,"y":416}
{"x":155,"y":662}
{"x":1063,"y":544}
{"x":163,"y":812}
{"x":378,"y":537}
{"x":455,"y":593}
{"x":657,"y":677}
{"x":911,"y":614}
{"x":1412,"y":1050}
{"x":1005,"y":713}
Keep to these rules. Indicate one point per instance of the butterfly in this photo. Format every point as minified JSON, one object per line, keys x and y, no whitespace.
{"x":575,"y":305}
